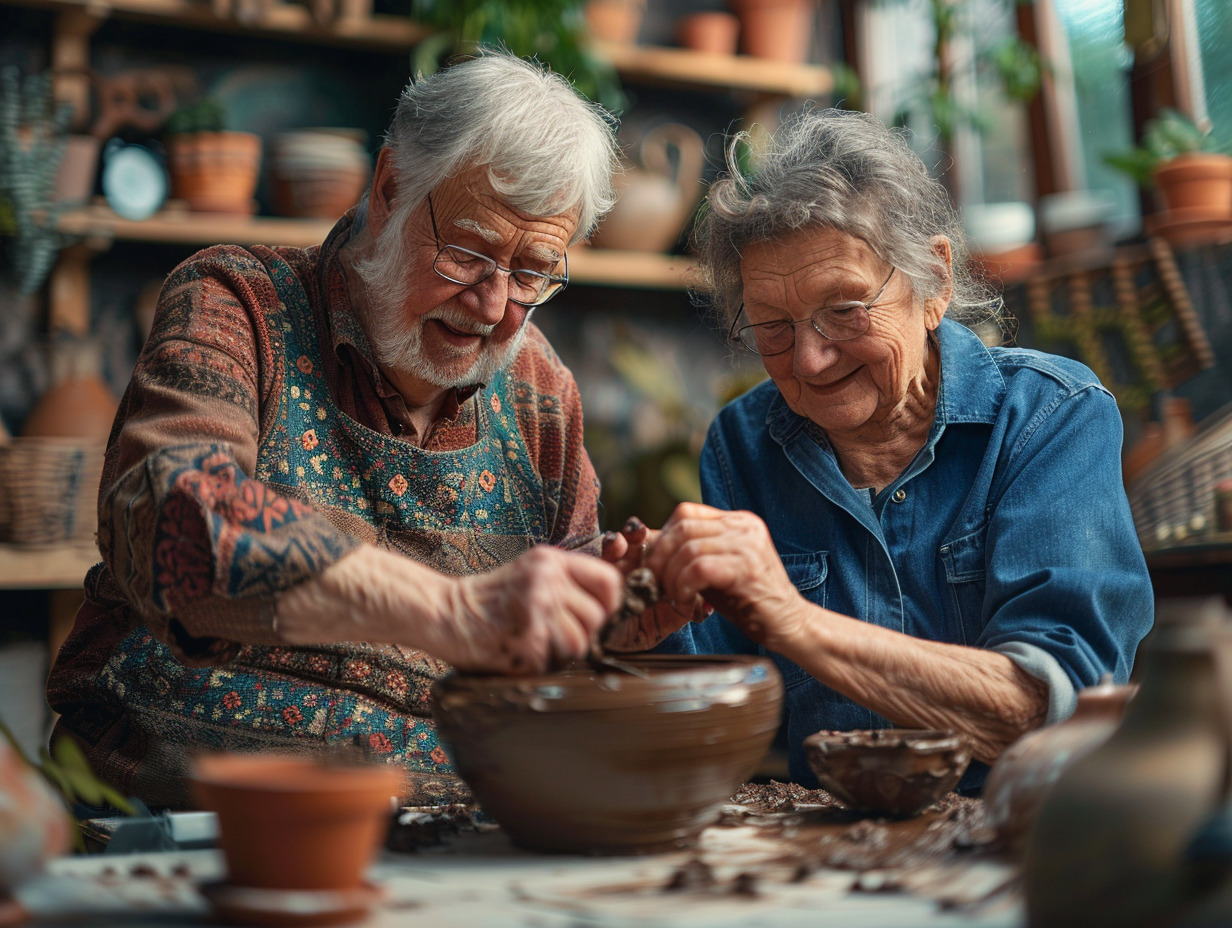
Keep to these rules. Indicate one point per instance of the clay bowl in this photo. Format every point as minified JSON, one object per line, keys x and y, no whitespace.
{"x":599,"y":761}
{"x":293,"y":823}
{"x":894,"y":771}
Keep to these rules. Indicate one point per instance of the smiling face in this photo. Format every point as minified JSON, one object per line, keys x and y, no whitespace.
{"x":871,"y":382}
{"x":440,"y":334}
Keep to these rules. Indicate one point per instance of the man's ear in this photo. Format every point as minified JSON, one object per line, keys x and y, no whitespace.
{"x":935,"y":307}
{"x":381,"y":193}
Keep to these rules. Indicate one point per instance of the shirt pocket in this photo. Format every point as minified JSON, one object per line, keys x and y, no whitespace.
{"x":965,"y":576}
{"x":807,"y":572}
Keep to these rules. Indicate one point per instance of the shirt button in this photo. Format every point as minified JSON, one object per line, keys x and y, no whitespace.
{"x":899,"y":495}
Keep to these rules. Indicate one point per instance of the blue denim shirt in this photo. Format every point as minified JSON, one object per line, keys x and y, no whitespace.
{"x":1010,"y":530}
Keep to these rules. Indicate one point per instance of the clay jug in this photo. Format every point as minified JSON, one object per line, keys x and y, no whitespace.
{"x":79,"y":403}
{"x":1025,"y":772}
{"x":1109,"y":845}
{"x":657,"y":197}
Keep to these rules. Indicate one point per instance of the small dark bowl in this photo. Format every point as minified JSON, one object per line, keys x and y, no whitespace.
{"x":894,"y":771}
{"x":597,"y":761}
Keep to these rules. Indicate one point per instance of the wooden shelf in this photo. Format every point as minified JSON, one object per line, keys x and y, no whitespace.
{"x":50,"y":567}
{"x":716,"y":72}
{"x":180,"y":227}
{"x":281,"y":20}
{"x":385,"y":32}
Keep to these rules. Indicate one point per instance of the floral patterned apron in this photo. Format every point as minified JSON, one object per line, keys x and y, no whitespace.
{"x":458,"y":511}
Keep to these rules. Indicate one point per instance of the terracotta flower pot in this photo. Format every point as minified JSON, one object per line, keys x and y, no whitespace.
{"x":1196,"y":180}
{"x":781,"y":30}
{"x":291,"y":823}
{"x":615,"y":20}
{"x":713,"y":31}
{"x":215,"y":172}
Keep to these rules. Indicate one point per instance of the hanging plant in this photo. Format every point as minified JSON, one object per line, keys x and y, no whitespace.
{"x":33,"y":136}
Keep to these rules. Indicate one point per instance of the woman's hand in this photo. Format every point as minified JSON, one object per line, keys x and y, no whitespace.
{"x":729,"y":559}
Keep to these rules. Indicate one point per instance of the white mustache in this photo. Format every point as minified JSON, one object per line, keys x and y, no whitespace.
{"x":459,"y":322}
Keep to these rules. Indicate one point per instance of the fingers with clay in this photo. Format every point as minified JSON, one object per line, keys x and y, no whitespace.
{"x":729,"y":559}
{"x":533,"y":614}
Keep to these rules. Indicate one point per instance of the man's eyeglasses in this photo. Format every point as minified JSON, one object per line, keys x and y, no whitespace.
{"x":837,"y":322}
{"x":462,"y":266}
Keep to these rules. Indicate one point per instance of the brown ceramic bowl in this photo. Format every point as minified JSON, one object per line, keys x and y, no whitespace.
{"x":894,"y":771}
{"x":607,"y":762}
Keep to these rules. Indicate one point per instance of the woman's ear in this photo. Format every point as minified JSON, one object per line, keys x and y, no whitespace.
{"x":381,"y":193}
{"x":935,"y":307}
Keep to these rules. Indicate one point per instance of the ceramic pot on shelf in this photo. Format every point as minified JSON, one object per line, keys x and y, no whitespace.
{"x":318,"y":173}
{"x":1108,"y":847}
{"x":656,"y":197}
{"x":715,"y":32}
{"x":215,"y":172}
{"x":780,"y":30}
{"x":615,"y":20}
{"x":1196,"y":181}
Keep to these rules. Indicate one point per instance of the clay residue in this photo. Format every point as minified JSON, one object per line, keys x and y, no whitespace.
{"x":641,"y":592}
{"x":814,"y":832}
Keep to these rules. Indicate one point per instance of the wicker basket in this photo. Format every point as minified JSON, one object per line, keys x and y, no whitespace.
{"x":49,"y":490}
{"x":1174,"y":502}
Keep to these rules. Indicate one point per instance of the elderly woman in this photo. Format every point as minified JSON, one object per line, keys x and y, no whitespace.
{"x":922,"y":531}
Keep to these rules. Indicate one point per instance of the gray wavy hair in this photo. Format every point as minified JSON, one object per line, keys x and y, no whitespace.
{"x":830,"y":168}
{"x":547,"y":148}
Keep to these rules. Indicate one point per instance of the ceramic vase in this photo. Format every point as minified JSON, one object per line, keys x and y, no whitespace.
{"x":34,"y":824}
{"x":1025,"y":772}
{"x":1108,"y":846}
{"x":655,"y":197}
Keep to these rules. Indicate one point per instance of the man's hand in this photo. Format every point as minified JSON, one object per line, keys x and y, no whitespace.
{"x":537,"y":612}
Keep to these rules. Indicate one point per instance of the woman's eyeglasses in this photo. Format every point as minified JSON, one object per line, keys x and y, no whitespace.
{"x":460,"y":265}
{"x":837,"y":322}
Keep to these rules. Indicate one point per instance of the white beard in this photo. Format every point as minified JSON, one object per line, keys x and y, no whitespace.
{"x":400,"y":347}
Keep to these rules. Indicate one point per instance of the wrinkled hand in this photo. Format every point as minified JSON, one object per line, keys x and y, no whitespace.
{"x":533,"y":614}
{"x":628,"y":549}
{"x":729,"y":559}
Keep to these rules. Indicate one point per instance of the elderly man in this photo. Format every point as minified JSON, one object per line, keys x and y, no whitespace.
{"x":339,"y":471}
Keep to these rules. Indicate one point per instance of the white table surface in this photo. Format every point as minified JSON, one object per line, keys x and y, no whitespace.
{"x":476,"y":879}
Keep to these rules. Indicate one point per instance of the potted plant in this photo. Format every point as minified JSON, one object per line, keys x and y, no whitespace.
{"x":211,"y":168}
{"x":1182,"y":161}
{"x":553,"y":31}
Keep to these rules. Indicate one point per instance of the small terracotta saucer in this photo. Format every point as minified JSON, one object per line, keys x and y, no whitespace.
{"x":290,"y":908}
{"x":1192,"y":226}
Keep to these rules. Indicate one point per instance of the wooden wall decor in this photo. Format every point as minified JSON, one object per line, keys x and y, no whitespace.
{"x":1130,"y":320}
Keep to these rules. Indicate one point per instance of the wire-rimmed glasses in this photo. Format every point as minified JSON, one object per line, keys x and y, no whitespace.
{"x":460,"y":265}
{"x":838,"y":322}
